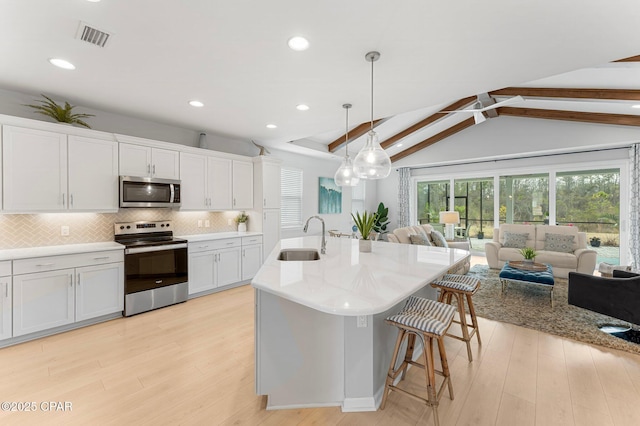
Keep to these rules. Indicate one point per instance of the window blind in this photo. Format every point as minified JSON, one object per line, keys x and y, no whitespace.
{"x":291,"y":197}
{"x":358,"y":197}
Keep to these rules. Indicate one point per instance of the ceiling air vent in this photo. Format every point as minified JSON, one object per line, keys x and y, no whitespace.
{"x":93,"y":35}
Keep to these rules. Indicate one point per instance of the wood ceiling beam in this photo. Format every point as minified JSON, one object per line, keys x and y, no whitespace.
{"x":629,"y":59}
{"x":425,"y":122}
{"x":547,"y":92}
{"x":585,"y":117}
{"x":435,"y":138}
{"x":355,"y":134}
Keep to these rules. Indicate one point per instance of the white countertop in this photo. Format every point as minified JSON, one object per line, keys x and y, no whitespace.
{"x":24,"y":253}
{"x":347,"y":282}
{"x":217,"y":236}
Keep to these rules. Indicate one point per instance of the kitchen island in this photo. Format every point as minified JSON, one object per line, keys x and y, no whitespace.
{"x":320,"y":335}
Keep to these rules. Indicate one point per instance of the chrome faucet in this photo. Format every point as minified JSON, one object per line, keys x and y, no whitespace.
{"x":323,"y":248}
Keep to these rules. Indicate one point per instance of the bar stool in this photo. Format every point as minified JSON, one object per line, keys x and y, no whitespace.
{"x":428,"y":320}
{"x":461,"y":286}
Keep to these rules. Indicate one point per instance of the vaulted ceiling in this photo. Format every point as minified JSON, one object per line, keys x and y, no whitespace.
{"x":233,"y":57}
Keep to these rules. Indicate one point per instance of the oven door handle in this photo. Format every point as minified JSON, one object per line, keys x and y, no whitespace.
{"x":155,"y":248}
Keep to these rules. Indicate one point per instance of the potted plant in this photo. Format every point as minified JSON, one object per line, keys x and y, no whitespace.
{"x":364,"y":224}
{"x":594,"y":241}
{"x":381,"y":220}
{"x":529,"y":254}
{"x":62,"y":114}
{"x":241,"y":220}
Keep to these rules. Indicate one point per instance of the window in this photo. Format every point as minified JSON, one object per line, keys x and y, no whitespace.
{"x":357,"y":197}
{"x":291,"y":199}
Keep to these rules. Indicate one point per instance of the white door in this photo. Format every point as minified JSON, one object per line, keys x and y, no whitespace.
{"x":165,"y":163}
{"x":270,"y":230}
{"x":219,"y":183}
{"x":93,"y":174}
{"x":135,"y":160}
{"x":34,"y":166}
{"x":271,"y":185}
{"x":99,"y":290}
{"x":251,"y":260}
{"x":5,"y":308}
{"x":201,"y":275}
{"x":193,"y":174}
{"x":229,"y":266}
{"x":242,"y":185}
{"x":42,"y":300}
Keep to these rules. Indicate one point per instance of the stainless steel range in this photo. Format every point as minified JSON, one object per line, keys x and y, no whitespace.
{"x":155,"y":266}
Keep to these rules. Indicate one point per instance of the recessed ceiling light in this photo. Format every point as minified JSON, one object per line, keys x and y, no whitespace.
{"x":298,"y":43}
{"x":62,"y":63}
{"x":635,"y":106}
{"x":271,"y":126}
{"x":302,"y":107}
{"x":93,"y":1}
{"x":196,"y":104}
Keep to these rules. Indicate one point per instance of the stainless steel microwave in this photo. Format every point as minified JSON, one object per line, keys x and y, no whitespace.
{"x":145,"y":192}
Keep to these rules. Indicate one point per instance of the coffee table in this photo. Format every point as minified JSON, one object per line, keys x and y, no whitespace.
{"x":540,"y":274}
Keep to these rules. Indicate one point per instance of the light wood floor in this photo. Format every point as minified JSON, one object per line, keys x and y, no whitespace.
{"x":192,"y":364}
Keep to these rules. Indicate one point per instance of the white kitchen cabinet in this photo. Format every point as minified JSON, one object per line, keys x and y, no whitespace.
{"x":146,"y":161}
{"x":271,"y":185}
{"x":5,"y":300}
{"x":219,"y":172}
{"x":99,"y":290}
{"x":251,"y":256}
{"x":54,"y":291}
{"x":214,"y":263}
{"x":193,"y":175}
{"x":42,"y":300}
{"x":266,"y":201}
{"x":228,"y":266}
{"x":242,"y":185}
{"x":93,"y":174}
{"x":201,"y":270}
{"x":34,"y":170}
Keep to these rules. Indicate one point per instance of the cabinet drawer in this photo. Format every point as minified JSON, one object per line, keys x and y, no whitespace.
{"x":52,"y":263}
{"x":196,"y":247}
{"x":5,"y":268}
{"x":256,"y":239}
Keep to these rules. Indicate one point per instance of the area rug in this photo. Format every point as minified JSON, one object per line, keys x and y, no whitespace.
{"x":529,"y":306}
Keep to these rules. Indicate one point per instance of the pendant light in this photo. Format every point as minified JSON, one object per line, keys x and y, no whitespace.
{"x":372,"y":162}
{"x":345,"y":175}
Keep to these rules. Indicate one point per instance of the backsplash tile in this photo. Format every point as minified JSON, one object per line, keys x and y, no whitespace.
{"x":32,"y":230}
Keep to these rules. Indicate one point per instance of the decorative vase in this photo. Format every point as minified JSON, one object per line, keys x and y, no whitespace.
{"x":242,"y":227}
{"x":365,"y":246}
{"x":528,"y":261}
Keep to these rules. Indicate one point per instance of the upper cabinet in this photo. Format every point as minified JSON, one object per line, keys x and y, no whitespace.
{"x":267,"y":183}
{"x":143,"y":161}
{"x":47,"y":171}
{"x":242,"y":185}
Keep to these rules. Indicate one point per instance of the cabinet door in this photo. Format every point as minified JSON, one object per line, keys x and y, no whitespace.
{"x":41,"y":301}
{"x":219,"y":183}
{"x":93,"y":174}
{"x":228,"y":266}
{"x":201,"y":271}
{"x":270,"y":230}
{"x":251,"y":261}
{"x":34,"y":166}
{"x":193,"y":174}
{"x":99,"y":290}
{"x":242,"y":185}
{"x":271,"y":186}
{"x":5,"y":308}
{"x":135,"y":160}
{"x":165,"y":163}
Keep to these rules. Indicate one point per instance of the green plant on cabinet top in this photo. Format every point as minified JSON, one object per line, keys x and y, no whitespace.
{"x":62,"y":114}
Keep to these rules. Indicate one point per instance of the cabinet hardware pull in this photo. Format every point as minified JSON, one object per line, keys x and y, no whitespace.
{"x":78,"y":279}
{"x":6,"y":290}
{"x":234,"y":201}
{"x":63,"y":202}
{"x":243,"y":253}
{"x":148,"y":169}
{"x":70,"y":280}
{"x":71,"y":198}
{"x":230,"y":244}
{"x":203,"y":247}
{"x":45,"y":264}
{"x":264,"y":202}
{"x":101,"y":258}
{"x":154,"y":169}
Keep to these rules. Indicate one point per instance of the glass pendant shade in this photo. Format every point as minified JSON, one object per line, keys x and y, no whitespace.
{"x":372,"y":162}
{"x":345,"y":175}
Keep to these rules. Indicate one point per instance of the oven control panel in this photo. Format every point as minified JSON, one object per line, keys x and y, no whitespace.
{"x":125,"y":228}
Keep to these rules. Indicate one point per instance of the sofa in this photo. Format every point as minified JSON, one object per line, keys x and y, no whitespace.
{"x":573,"y":256}
{"x":403,"y":236}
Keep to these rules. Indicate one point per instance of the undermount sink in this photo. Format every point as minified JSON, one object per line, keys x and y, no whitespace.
{"x":298,"y":254}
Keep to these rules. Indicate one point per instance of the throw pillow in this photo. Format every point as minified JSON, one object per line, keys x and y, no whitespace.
{"x":515,"y":240}
{"x":419,"y":240}
{"x":438,"y":239}
{"x":559,"y":242}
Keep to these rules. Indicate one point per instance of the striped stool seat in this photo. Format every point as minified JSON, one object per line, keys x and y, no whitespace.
{"x":461,"y":287}
{"x":429,"y":320}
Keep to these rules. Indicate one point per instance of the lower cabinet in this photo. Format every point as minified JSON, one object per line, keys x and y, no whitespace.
{"x":73,"y":288}
{"x":5,"y":300}
{"x":251,"y":256}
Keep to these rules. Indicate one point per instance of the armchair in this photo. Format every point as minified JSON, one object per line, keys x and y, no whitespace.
{"x":617,"y":297}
